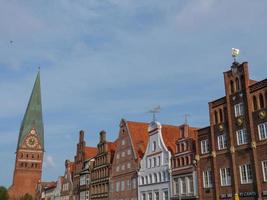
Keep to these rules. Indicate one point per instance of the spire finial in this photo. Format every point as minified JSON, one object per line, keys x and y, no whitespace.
{"x":154,"y":111}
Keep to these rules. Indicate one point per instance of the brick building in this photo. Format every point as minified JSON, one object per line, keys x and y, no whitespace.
{"x":83,"y":152}
{"x":231,"y":153}
{"x":184,"y":171}
{"x":131,"y":145}
{"x":85,"y":179}
{"x":67,"y":182}
{"x":30,"y":147}
{"x":100,"y":172}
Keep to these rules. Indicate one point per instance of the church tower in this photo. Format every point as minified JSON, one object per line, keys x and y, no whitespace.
{"x":30,"y":147}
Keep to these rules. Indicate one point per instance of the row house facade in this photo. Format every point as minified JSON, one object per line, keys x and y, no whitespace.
{"x":83,"y":152}
{"x":67,"y":181}
{"x":184,"y":168}
{"x":131,"y":145}
{"x":100,"y":172}
{"x":155,"y":168}
{"x":231,"y":152}
{"x":85,"y":179}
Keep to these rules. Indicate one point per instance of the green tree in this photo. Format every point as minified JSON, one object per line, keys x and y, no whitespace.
{"x":3,"y":193}
{"x":26,"y":197}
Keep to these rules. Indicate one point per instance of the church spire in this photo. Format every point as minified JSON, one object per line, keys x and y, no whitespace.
{"x":33,"y":118}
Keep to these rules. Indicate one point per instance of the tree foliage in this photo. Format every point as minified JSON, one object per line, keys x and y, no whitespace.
{"x":26,"y":197}
{"x":3,"y":193}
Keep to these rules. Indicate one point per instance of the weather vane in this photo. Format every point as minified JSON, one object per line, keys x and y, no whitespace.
{"x":235,"y":53}
{"x":186,"y":118}
{"x":154,"y":111}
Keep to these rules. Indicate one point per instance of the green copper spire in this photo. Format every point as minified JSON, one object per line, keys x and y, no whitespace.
{"x":33,"y":116}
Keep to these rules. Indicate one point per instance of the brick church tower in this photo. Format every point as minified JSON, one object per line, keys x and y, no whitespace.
{"x":30,"y":147}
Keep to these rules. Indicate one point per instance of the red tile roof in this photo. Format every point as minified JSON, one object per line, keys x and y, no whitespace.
{"x":170,"y":134}
{"x":90,"y":152}
{"x":139,"y":135}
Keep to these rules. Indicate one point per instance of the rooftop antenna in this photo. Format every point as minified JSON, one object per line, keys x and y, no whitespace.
{"x":235,"y":53}
{"x":154,"y":111}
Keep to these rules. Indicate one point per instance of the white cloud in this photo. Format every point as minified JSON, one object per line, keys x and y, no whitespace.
{"x":49,"y":161}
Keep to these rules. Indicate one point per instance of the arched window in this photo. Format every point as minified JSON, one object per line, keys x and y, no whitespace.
{"x":232,"y":86}
{"x":216,"y":116}
{"x":255,"y":106}
{"x":150,"y":178}
{"x":237,"y":84}
{"x":146,"y":180}
{"x":182,"y":161}
{"x":142,"y":180}
{"x":261,"y":101}
{"x":178,"y":148}
{"x":159,"y":176}
{"x":186,"y":160}
{"x":182,"y":147}
{"x":155,"y":178}
{"x":221,"y":115}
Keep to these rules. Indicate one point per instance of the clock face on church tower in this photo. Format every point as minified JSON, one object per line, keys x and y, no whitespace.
{"x":32,"y":141}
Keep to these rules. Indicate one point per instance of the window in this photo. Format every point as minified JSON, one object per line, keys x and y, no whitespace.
{"x":142,"y":180}
{"x":262,"y":129}
{"x":255,"y":105}
{"x":261,"y":101}
{"x":239,"y":109}
{"x":118,"y":156}
{"x":207,"y":179}
{"x":154,"y":162}
{"x":129,"y":152}
{"x":264,"y":170}
{"x":154,"y":146}
{"x":159,"y":161}
{"x":117,"y":186}
{"x":123,"y":154}
{"x":150,"y":163}
{"x":237,"y":84}
{"x":232,"y":86}
{"x":245,"y":173}
{"x":155,"y":178}
{"x":150,"y":178}
{"x":216,"y":117}
{"x":134,"y":183}
{"x":225,"y":176}
{"x":143,"y":196}
{"x":204,"y":146}
{"x":123,"y":167}
{"x":128,"y":165}
{"x":156,"y":196}
{"x":117,"y":168}
{"x":149,"y":196}
{"x":165,"y":195}
{"x":242,"y":137}
{"x":183,"y":185}
{"x":222,"y":142}
{"x":122,"y":185}
{"x":190,"y":185}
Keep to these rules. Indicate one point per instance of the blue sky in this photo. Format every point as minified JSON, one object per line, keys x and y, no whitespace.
{"x":106,"y":60}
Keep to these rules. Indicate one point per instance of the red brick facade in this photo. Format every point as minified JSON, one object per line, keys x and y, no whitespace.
{"x":235,"y":153}
{"x":131,"y":145}
{"x":100,"y":173}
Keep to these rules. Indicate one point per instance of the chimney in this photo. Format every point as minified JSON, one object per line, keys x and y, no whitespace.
{"x":81,"y":138}
{"x":102,"y":136}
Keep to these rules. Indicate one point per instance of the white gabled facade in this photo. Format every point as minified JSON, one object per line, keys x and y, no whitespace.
{"x":154,"y":174}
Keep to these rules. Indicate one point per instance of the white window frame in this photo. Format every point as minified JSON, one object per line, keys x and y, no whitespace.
{"x":264,"y":170}
{"x":207,"y":179}
{"x":222,"y":141}
{"x":248,"y":175}
{"x":239,"y":109}
{"x":241,"y":136}
{"x":225,"y":176}
{"x":204,"y":146}
{"x":262,"y":130}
